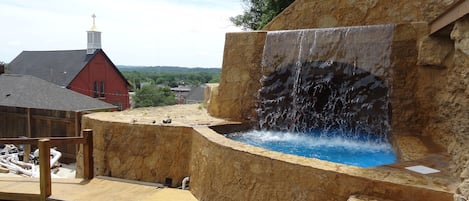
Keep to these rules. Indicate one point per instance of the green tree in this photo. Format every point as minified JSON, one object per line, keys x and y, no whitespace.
{"x":150,"y":96}
{"x":257,"y":13}
{"x":4,"y":66}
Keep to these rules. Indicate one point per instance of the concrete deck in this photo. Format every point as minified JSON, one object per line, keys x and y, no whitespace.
{"x":14,"y":188}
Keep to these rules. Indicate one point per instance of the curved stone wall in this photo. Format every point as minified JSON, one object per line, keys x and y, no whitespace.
{"x":222,"y":169}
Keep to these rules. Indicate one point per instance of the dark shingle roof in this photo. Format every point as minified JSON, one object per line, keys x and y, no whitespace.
{"x":197,"y":94}
{"x":31,"y":92}
{"x":59,"y":67}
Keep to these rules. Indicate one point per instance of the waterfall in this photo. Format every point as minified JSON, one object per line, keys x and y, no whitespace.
{"x":334,"y":80}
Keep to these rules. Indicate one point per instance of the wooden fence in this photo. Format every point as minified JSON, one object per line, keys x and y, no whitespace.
{"x":35,"y":123}
{"x":44,"y":145}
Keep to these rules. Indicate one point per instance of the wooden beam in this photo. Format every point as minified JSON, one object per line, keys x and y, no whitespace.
{"x":456,"y":11}
{"x":44,"y":169}
{"x":18,"y":196}
{"x":88,"y":163}
{"x":66,"y":120}
{"x":34,"y":141}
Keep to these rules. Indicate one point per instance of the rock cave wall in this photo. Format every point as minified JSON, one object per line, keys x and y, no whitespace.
{"x":454,"y":106}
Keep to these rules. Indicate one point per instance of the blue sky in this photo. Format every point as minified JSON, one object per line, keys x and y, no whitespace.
{"x":134,"y":32}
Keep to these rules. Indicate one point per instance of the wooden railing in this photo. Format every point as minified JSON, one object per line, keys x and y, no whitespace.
{"x":44,"y":145}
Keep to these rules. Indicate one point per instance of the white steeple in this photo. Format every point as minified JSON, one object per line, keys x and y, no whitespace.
{"x":94,"y":38}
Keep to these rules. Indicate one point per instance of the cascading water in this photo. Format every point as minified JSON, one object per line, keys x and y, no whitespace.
{"x":326,"y":84}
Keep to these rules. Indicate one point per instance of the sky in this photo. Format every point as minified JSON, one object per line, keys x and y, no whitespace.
{"x":186,"y":33}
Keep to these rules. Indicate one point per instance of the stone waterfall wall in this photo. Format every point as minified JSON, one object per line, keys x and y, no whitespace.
{"x":306,"y":14}
{"x":235,"y":97}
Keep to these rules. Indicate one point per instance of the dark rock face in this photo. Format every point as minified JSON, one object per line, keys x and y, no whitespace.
{"x":330,"y":96}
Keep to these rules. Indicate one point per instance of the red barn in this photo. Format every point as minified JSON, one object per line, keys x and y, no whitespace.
{"x":89,"y":71}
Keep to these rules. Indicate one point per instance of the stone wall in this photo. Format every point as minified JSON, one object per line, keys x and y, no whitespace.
{"x":454,"y":105}
{"x":405,"y":111}
{"x":430,"y":80}
{"x":305,"y":14}
{"x":222,"y":169}
{"x":236,"y":96}
{"x":139,"y":151}
{"x":239,"y":82}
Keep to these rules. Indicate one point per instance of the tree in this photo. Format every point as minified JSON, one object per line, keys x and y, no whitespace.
{"x":3,"y":66}
{"x":258,"y":13}
{"x":150,"y":96}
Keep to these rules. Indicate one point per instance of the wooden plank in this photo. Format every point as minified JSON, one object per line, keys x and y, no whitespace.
{"x":4,"y":170}
{"x":44,"y":169}
{"x":19,"y":196}
{"x":34,"y":141}
{"x":131,"y":181}
{"x":456,"y":11}
{"x":88,"y":166}
{"x":95,"y":189}
{"x":41,"y":117}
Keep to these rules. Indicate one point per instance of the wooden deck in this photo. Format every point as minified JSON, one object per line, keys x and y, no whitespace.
{"x":95,"y":189}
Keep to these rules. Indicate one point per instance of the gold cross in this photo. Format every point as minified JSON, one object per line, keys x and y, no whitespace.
{"x":93,"y":28}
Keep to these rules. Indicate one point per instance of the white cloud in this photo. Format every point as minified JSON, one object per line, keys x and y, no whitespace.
{"x":139,"y":32}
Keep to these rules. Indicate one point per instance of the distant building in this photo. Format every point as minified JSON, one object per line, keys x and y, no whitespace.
{"x":27,"y":91}
{"x":181,"y":93}
{"x":189,"y":95}
{"x":89,"y":72}
{"x":197,"y":95}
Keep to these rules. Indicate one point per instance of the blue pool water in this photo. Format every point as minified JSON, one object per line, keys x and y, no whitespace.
{"x":356,"y":151}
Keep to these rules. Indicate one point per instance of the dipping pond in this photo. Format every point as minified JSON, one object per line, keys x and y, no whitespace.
{"x":360,"y":151}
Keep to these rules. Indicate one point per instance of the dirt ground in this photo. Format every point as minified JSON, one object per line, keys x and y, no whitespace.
{"x":180,"y":115}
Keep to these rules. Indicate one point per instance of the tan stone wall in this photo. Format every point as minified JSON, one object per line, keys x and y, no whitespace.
{"x":405,"y":111}
{"x":236,"y":96}
{"x":222,"y":169}
{"x":334,"y":13}
{"x":454,"y":105}
{"x":139,"y":151}
{"x":240,"y":76}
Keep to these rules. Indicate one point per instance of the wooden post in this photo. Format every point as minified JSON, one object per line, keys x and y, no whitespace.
{"x":77,"y":123}
{"x":77,"y":130}
{"x":88,"y":172}
{"x":44,"y":169}
{"x":27,"y":147}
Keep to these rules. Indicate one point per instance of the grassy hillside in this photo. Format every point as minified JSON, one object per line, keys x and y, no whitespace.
{"x":169,"y":76}
{"x":168,"y":69}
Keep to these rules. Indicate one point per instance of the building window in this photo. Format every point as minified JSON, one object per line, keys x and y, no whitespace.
{"x":95,"y":89}
{"x":101,"y":91}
